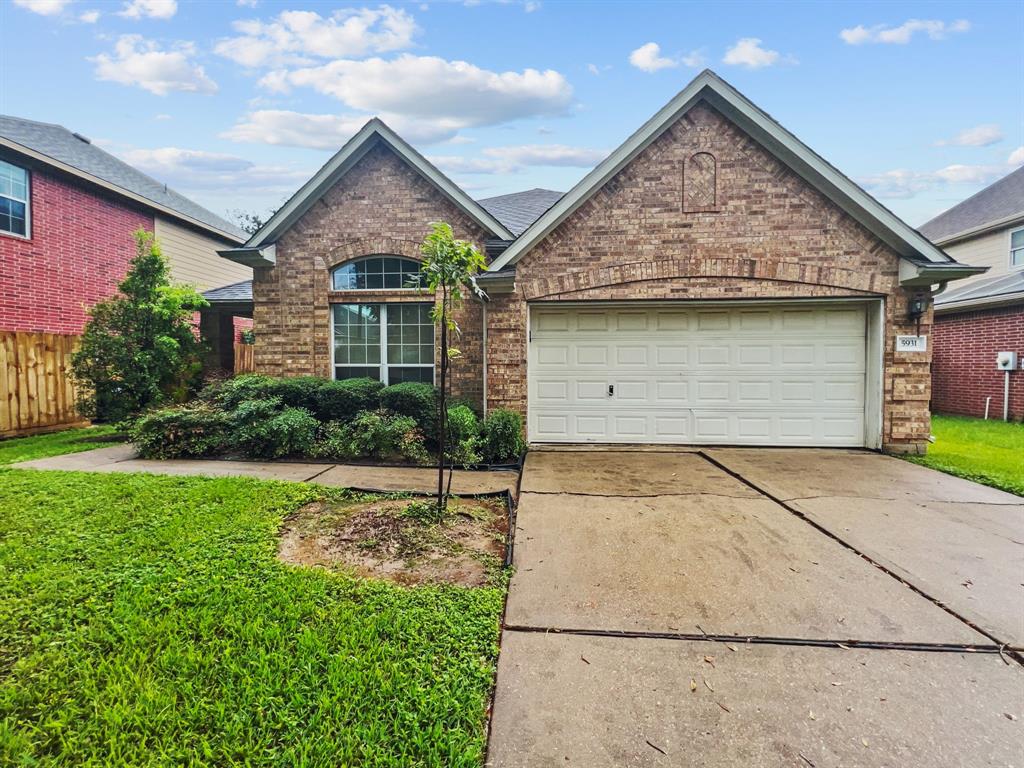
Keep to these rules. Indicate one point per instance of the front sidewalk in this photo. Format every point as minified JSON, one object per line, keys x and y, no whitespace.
{"x":123,"y":458}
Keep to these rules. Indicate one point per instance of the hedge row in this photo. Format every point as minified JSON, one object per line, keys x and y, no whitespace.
{"x":266,"y":417}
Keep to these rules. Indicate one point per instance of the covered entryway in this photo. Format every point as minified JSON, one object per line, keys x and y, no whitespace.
{"x":738,"y":374}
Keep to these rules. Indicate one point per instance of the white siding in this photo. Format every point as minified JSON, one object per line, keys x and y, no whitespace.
{"x":991,"y":250}
{"x":193,"y":257}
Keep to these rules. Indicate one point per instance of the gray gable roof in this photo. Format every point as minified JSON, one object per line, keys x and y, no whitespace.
{"x":1001,"y":201}
{"x":519,"y":210}
{"x":230,"y":294}
{"x":58,"y":143}
{"x":1001,"y":288}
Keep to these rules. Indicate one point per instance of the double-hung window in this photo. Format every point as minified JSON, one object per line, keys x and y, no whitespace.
{"x":392,"y":342}
{"x":389,"y":342}
{"x":1017,"y":248}
{"x":14,"y":199}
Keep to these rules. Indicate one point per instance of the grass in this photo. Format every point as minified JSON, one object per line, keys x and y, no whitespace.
{"x":989,"y":452}
{"x":53,"y":444}
{"x":146,"y":620}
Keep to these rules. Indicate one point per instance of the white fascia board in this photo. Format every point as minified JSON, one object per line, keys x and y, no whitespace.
{"x":1008,"y":222}
{"x":265,"y":256}
{"x":916,"y":274}
{"x":988,"y":302}
{"x":905,"y":240}
{"x":354,"y":149}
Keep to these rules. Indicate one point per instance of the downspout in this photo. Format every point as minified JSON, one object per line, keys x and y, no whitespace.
{"x":485,"y":358}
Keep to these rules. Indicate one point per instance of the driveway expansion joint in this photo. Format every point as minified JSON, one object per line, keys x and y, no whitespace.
{"x":883,"y":645}
{"x":638,"y":495}
{"x":1017,"y":655}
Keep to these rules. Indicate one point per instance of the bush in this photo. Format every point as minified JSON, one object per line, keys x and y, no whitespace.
{"x":342,"y":400}
{"x":228,"y":394}
{"x":263,"y":429}
{"x":502,"y":436}
{"x":183,"y":431}
{"x":413,"y":399}
{"x":296,"y":391}
{"x":463,"y":440}
{"x":372,"y":435}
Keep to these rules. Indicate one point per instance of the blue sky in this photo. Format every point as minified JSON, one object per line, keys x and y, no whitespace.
{"x":236,"y":103}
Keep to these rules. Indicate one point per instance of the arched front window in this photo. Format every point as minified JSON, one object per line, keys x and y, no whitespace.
{"x":374,"y":273}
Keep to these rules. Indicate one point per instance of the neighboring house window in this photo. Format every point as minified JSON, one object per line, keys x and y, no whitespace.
{"x":14,"y":204}
{"x":375,"y":273}
{"x":389,"y":342}
{"x":1017,"y":248}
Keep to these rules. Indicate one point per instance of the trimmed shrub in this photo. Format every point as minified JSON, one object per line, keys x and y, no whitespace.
{"x":342,"y":400}
{"x":297,"y":391}
{"x":228,"y":394}
{"x":413,"y":399}
{"x":372,"y":435}
{"x":502,"y":436}
{"x":263,"y":429}
{"x":462,"y":444}
{"x":183,"y":431}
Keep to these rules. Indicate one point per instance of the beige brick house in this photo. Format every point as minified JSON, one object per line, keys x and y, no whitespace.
{"x":712,"y":281}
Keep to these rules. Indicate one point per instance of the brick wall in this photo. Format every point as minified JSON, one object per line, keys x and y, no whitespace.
{"x":79,"y":251}
{"x":381,"y":206}
{"x":767,"y":235}
{"x":964,"y":362}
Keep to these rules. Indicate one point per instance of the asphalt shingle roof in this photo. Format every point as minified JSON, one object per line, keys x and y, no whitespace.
{"x":233,"y":294}
{"x":1001,"y":200}
{"x":989,"y":288}
{"x":57,"y":142}
{"x":519,"y":210}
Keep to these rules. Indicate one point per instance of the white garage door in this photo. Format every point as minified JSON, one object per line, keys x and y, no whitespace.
{"x":754,"y":375}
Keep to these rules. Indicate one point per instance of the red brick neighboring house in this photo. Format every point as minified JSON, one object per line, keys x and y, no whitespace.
{"x":68,"y":211}
{"x":983,"y":315}
{"x":712,"y":281}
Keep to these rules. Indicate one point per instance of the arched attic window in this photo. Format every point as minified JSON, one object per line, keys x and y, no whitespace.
{"x":374,"y":273}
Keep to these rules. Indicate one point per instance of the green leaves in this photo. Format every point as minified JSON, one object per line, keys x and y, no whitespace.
{"x":138,"y":348}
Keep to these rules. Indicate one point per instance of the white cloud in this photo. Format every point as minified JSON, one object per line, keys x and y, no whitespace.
{"x":162,"y":117}
{"x":693,"y":59}
{"x":978,"y":136}
{"x":748,"y":52}
{"x":445,"y":95}
{"x":531,"y":5}
{"x":43,"y":7}
{"x":901,"y":35}
{"x":1016,"y":157}
{"x":514,"y":158}
{"x":136,"y":61}
{"x":89,"y":17}
{"x":649,"y":59}
{"x":285,"y":128}
{"x":903,"y":184}
{"x":152,"y":9}
{"x":246,"y":3}
{"x":191,"y":169}
{"x":295,"y":37}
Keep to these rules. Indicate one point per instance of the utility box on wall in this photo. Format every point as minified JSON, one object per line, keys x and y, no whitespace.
{"x":1006,"y":361}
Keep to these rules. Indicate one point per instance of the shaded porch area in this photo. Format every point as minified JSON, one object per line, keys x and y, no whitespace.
{"x":221,"y":323}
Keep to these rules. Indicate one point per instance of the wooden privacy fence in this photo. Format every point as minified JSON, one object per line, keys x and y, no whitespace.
{"x":243,"y":358}
{"x":36,"y":391}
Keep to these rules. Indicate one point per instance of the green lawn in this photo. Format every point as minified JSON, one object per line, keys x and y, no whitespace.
{"x":52,"y":444}
{"x":989,"y":452}
{"x":146,"y":621}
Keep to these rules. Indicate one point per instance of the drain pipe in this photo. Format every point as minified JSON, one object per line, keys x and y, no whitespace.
{"x":1006,"y":396}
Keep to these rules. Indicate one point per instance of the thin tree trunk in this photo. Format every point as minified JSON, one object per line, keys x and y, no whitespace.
{"x":442,"y":410}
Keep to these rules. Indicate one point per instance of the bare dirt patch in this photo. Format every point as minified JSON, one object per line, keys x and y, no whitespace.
{"x":379,"y":538}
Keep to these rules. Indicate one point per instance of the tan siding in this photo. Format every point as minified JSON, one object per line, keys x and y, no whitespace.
{"x":992,"y":250}
{"x":193,"y":257}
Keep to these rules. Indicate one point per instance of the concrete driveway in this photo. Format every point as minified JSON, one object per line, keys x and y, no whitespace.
{"x":759,"y":607}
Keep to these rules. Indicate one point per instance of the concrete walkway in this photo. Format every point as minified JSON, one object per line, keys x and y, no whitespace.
{"x":667,"y":609}
{"x":123,"y":458}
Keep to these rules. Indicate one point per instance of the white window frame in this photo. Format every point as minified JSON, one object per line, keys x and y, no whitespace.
{"x":384,"y":365}
{"x":352,"y":262}
{"x":1011,"y":249}
{"x":27,"y":201}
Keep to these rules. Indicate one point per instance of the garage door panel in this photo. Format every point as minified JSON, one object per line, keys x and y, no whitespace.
{"x":756,"y":376}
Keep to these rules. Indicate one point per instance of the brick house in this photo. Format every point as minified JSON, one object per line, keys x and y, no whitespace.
{"x":68,"y":211}
{"x":983,"y":315}
{"x":712,"y":281}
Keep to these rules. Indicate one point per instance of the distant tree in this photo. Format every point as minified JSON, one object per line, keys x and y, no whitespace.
{"x":250,"y":221}
{"x":449,"y":269}
{"x":139,"y":348}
